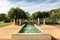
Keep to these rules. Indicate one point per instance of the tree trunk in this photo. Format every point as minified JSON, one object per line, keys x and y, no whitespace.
{"x":20,"y":21}
{"x":44,"y":21}
{"x":12,"y":20}
{"x":15,"y":21}
{"x":38,"y":21}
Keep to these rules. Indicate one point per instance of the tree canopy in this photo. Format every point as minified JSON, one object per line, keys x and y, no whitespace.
{"x":17,"y":13}
{"x":2,"y":16}
{"x":40,"y":15}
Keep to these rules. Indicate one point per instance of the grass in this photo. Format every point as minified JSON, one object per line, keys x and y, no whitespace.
{"x":2,"y":24}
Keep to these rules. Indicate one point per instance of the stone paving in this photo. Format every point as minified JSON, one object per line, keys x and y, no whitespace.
{"x":54,"y":31}
{"x":7,"y":31}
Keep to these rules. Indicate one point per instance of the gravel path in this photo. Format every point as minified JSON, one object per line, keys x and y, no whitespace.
{"x":54,"y":31}
{"x":6,"y":32}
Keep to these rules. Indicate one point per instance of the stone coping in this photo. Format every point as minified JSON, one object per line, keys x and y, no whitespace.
{"x":31,"y":36}
{"x":19,"y":29}
{"x":42,"y":32}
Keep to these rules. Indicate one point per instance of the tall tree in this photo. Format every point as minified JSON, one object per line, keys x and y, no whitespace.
{"x":41,"y":15}
{"x":11,"y":14}
{"x":17,"y":14}
{"x":45,"y":15}
{"x":36,"y":15}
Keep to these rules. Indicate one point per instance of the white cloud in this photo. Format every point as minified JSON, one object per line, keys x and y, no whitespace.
{"x":5,"y":5}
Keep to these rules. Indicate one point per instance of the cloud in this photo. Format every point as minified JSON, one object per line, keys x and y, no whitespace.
{"x":4,"y":6}
{"x":30,"y":6}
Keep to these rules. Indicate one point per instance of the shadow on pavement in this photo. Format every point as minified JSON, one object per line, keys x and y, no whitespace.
{"x":52,"y":38}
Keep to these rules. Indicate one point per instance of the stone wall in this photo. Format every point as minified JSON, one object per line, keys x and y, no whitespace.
{"x":23,"y":36}
{"x":31,"y":36}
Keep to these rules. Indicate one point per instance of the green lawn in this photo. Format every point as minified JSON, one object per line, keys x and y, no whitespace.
{"x":2,"y":24}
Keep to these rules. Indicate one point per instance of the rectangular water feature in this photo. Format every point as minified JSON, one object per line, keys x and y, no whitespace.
{"x":30,"y":32}
{"x":29,"y":29}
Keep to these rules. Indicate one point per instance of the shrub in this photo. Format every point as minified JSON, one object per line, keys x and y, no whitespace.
{"x":7,"y":20}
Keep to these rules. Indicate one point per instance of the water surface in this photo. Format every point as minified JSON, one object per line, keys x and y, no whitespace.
{"x":29,"y":29}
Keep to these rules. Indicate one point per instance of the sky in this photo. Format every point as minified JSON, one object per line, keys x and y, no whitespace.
{"x":30,"y":6}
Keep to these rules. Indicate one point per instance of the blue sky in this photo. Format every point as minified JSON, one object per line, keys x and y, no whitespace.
{"x":29,"y":5}
{"x":34,"y":1}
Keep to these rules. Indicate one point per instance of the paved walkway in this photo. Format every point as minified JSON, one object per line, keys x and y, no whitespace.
{"x":6,"y":32}
{"x":54,"y":31}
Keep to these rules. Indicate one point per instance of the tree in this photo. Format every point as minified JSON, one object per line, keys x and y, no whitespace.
{"x":41,"y":15}
{"x":2,"y":17}
{"x":44,"y":15}
{"x":27,"y":15}
{"x":36,"y":15}
{"x":55,"y":18}
{"x":17,"y":14}
{"x":20,"y":14}
{"x":11,"y":14}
